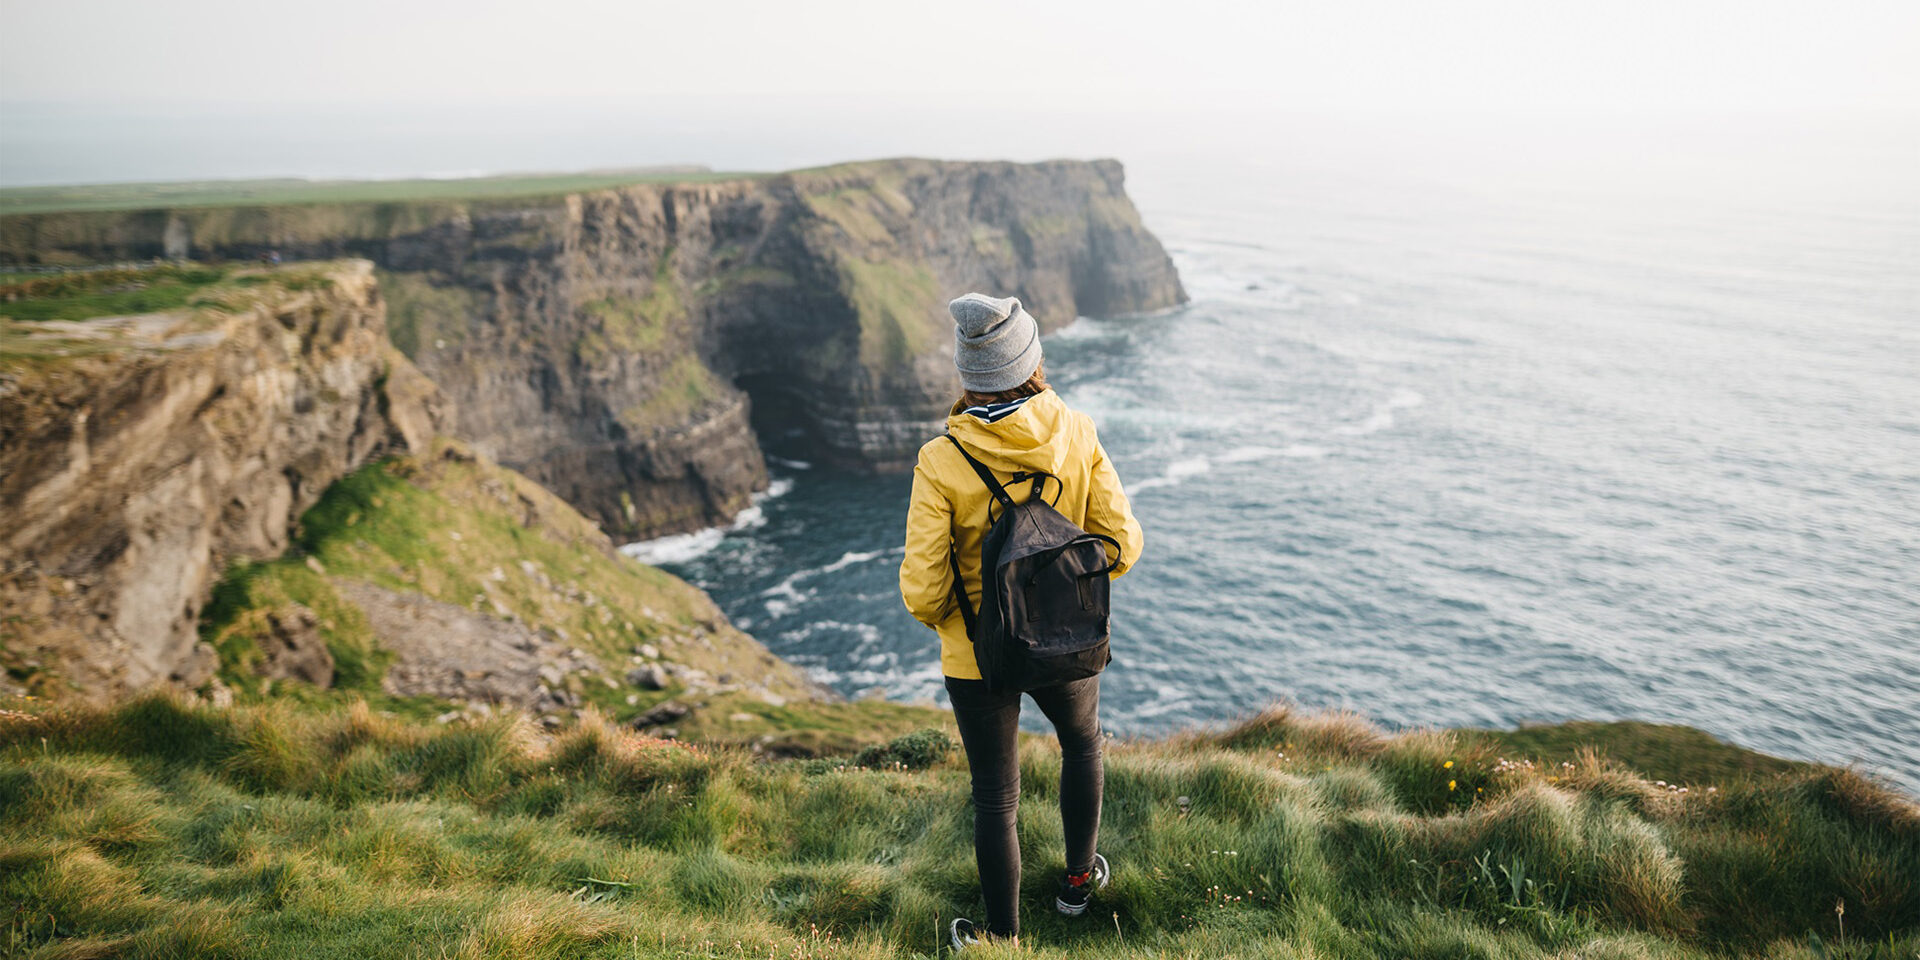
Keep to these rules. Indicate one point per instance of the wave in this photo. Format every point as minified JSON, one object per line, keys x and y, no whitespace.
{"x":678,"y":548}
{"x":686,"y":547}
{"x":852,"y":557}
{"x":868,"y":634}
{"x":1382,"y":416}
{"x":789,"y":464}
{"x":1180,"y":470}
{"x":1381,"y":419}
{"x":1166,"y":700}
{"x":886,"y":673}
{"x":1079,"y":328}
{"x":1176,"y":472}
{"x":786,"y":596}
{"x":863,"y":664}
{"x":1211,"y":278}
{"x":1255,"y":453}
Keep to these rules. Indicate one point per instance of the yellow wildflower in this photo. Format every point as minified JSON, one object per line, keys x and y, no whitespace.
{"x":1451,"y":784}
{"x":1447,"y":766}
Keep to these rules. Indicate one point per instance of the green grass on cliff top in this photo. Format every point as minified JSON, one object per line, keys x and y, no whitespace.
{"x":99,"y":293}
{"x":38,"y":310}
{"x":162,"y":829}
{"x":226,"y":193}
{"x":268,"y":192}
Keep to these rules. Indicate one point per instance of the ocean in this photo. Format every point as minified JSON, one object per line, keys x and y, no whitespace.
{"x":1448,"y":450}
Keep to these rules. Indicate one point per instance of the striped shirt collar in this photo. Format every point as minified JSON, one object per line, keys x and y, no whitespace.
{"x":995,"y":412}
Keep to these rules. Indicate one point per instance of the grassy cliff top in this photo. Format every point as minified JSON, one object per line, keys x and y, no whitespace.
{"x":134,"y":290}
{"x":56,"y":323}
{"x":291,"y":191}
{"x":227,"y":193}
{"x":361,"y":821}
{"x":163,"y":828}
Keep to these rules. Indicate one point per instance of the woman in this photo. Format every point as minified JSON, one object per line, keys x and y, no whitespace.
{"x":1010,"y":420}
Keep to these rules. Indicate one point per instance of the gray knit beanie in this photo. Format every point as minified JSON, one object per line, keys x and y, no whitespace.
{"x":996,"y":343}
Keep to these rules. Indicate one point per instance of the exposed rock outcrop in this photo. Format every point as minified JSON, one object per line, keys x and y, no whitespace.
{"x":449,"y":652}
{"x":294,"y":648}
{"x":607,"y":343}
{"x":139,"y":455}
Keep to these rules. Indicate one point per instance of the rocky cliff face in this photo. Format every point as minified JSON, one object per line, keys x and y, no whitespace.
{"x":140,"y":454}
{"x":630,"y":348}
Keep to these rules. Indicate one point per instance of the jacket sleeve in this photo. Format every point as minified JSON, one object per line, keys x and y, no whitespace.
{"x":1109,"y":512}
{"x":926,"y":582}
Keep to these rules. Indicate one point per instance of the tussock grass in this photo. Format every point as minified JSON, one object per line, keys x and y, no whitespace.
{"x":165,"y":828}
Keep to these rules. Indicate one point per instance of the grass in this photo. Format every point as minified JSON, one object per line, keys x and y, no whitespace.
{"x":737,"y":278}
{"x":451,"y":527}
{"x":99,"y":293}
{"x":423,"y":314}
{"x":625,"y":325}
{"x":220,"y":193}
{"x":684,"y":388}
{"x":1662,"y":751}
{"x":165,"y":828}
{"x":896,"y":304}
{"x":76,"y":326}
{"x":862,"y":213}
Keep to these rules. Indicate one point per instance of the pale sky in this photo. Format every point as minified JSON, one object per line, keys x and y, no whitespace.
{"x":1616,"y":55}
{"x":105,"y":90}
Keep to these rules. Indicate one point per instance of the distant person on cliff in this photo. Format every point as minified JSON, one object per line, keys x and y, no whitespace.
{"x":1010,"y":439}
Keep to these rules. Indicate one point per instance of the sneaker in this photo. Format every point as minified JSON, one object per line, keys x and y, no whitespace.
{"x":962,"y":934}
{"x":1075,"y":891}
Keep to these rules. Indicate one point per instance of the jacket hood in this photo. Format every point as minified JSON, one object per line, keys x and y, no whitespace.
{"x":1037,"y":436}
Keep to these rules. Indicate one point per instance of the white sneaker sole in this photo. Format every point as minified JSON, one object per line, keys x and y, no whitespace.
{"x":955,"y":939}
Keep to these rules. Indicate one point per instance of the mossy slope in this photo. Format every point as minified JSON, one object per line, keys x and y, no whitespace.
{"x":456,"y":529}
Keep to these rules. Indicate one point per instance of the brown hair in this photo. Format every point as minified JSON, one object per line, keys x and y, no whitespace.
{"x":1034,"y":384}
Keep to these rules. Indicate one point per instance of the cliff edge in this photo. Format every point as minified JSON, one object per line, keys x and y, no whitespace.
{"x":632,"y":348}
{"x":141,"y":453}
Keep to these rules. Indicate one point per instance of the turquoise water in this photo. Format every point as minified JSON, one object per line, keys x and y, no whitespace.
{"x":1447,"y":454}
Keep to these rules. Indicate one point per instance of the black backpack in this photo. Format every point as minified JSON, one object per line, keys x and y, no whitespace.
{"x":1044,"y":590}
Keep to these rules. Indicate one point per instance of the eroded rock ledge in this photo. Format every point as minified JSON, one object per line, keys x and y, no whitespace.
{"x":140,"y":455}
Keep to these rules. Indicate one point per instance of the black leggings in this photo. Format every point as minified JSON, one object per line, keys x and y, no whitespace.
{"x":990,"y":730}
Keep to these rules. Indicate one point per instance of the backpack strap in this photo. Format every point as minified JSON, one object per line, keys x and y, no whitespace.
{"x":960,"y":592}
{"x":999,"y":492}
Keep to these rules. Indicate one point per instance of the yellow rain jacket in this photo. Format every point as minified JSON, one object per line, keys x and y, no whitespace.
{"x":949,"y":508}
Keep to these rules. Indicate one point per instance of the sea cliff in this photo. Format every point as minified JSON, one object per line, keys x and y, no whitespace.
{"x":227,"y":480}
{"x":632,"y":348}
{"x":165,"y":430}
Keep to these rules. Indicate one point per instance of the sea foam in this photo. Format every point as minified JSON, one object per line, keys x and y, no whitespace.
{"x":1382,"y":416}
{"x":684,"y":547}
